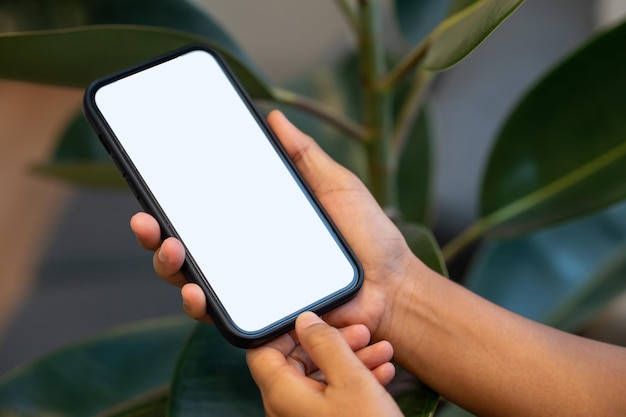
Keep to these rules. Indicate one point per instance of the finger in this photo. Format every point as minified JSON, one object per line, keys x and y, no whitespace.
{"x":329,"y":350}
{"x":374,"y":357}
{"x":265,"y":361}
{"x":314,"y":164}
{"x":147,"y":230}
{"x":194,"y":302}
{"x":357,"y":336}
{"x":384,"y":373}
{"x":168,"y":260}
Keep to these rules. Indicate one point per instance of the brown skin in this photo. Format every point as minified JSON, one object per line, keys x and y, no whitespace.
{"x":350,"y":387}
{"x":478,"y":355}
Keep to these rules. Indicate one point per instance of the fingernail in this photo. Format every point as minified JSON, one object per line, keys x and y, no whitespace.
{"x":161,"y":255}
{"x":308,"y":318}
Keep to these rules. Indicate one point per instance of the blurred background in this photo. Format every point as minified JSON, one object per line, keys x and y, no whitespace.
{"x":71,"y":265}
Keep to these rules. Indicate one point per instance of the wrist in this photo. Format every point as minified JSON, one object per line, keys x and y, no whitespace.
{"x":404,"y":291}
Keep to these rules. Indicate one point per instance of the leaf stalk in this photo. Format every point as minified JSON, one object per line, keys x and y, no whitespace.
{"x":406,"y":65}
{"x":314,"y":107}
{"x":410,"y":111}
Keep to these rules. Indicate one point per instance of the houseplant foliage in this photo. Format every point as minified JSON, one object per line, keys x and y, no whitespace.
{"x":558,"y":158}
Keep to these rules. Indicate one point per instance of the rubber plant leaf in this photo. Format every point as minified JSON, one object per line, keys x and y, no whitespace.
{"x":80,"y":159}
{"x":121,"y":366}
{"x":458,"y":35}
{"x":561,"y":276}
{"x":177,"y":15}
{"x":424,"y":245}
{"x":416,"y":19}
{"x":562,"y":152}
{"x":76,"y":56}
{"x":182,"y":15}
{"x":419,"y":401}
{"x":414,"y":173}
{"x":458,"y":5}
{"x":212,"y":379}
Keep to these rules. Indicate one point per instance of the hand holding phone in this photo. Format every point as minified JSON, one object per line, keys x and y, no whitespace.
{"x":202,"y":161}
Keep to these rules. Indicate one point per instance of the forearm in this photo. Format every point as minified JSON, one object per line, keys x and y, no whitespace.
{"x":494,"y":362}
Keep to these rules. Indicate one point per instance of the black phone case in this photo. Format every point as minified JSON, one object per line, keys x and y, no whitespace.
{"x":222,"y":320}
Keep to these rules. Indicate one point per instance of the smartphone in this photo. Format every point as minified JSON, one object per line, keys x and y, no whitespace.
{"x":200,"y":158}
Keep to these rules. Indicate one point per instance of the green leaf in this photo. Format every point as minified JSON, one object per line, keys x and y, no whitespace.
{"x":562,"y":152}
{"x":417,"y":19}
{"x":181,"y":15}
{"x":414,"y":179}
{"x":452,"y":410}
{"x":151,"y":404}
{"x":418,"y":401}
{"x":458,"y":5}
{"x":606,"y":283}
{"x":80,"y":142}
{"x":99,"y":373}
{"x":84,"y":174}
{"x":212,"y":379}
{"x":424,"y":245}
{"x":561,"y":276}
{"x":81,"y":159}
{"x":462,"y":32}
{"x":77,"y":56}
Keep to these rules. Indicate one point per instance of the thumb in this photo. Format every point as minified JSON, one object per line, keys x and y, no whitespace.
{"x":329,"y":350}
{"x":312,"y":162}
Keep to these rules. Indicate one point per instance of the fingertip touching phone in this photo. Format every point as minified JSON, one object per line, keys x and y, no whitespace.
{"x":200,"y":158}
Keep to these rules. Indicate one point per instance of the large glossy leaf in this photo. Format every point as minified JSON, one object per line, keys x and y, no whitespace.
{"x":97,"y":375}
{"x":562,"y":152}
{"x":414,"y":168}
{"x":562,"y":275}
{"x":458,"y":5}
{"x":606,"y":283}
{"x":417,"y":18}
{"x":181,"y":15}
{"x":151,"y":404}
{"x":80,"y":142}
{"x":77,"y":56}
{"x":84,"y":173}
{"x":212,"y":379}
{"x":424,"y":245}
{"x":419,"y":401}
{"x":451,"y":410}
{"x":81,"y":159}
{"x":462,"y":32}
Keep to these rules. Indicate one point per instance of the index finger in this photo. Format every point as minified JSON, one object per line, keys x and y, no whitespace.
{"x":329,"y":350}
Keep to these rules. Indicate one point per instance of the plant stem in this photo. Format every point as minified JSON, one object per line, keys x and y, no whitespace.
{"x":410,"y":111}
{"x":408,"y":63}
{"x":307,"y":104}
{"x":377,"y":115}
{"x":348,"y":14}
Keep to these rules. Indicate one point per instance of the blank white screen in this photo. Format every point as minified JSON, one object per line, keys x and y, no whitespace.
{"x":260,"y":244}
